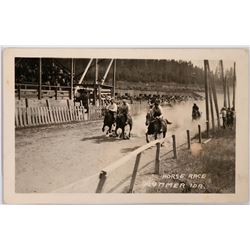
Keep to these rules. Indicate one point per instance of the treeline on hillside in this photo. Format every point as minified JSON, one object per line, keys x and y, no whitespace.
{"x":58,"y":70}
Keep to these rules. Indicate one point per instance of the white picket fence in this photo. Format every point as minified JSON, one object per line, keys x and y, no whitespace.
{"x":34,"y":116}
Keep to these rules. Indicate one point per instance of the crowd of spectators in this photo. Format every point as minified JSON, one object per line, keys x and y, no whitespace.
{"x":27,"y":72}
{"x":165,"y":99}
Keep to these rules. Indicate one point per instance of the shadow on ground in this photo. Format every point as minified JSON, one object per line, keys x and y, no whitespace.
{"x":100,"y":139}
{"x":127,"y":150}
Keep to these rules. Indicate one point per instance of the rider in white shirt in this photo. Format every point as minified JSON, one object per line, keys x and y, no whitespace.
{"x":124,"y":109}
{"x":112,"y":108}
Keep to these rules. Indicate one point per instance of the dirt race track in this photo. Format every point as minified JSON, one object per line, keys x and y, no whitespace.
{"x":58,"y":158}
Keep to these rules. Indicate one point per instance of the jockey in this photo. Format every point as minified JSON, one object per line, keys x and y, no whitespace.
{"x":124,"y":109}
{"x":195,"y":110}
{"x":157,"y":113}
{"x":112,"y":108}
{"x":157,"y":110}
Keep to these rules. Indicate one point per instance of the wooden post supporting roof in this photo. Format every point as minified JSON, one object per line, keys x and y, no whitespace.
{"x":85,"y":71}
{"x":40,"y":79}
{"x":71,"y":79}
{"x":114,"y":78}
{"x":96,"y":82}
{"x":107,"y":71}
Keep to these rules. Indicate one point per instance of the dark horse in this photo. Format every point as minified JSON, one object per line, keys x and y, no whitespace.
{"x":155,"y":126}
{"x":196,"y":115}
{"x":121,"y":123}
{"x":108,"y":121}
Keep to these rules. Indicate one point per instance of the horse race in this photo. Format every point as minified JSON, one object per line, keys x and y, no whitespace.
{"x":115,"y":125}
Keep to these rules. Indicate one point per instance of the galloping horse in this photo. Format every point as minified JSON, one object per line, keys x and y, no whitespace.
{"x":108,"y":121}
{"x":196,"y":115}
{"x":121,"y":123}
{"x":155,"y":126}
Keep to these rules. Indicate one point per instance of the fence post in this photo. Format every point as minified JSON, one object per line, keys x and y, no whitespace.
{"x":199,"y":131}
{"x":174,"y":147}
{"x":157,"y":158}
{"x":102,"y":179}
{"x":132,"y":183}
{"x":188,"y":139}
{"x":55,"y":92}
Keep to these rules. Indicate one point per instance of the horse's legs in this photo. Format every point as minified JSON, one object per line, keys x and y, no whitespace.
{"x":147,"y":140}
{"x":155,"y":136}
{"x":123,"y":133}
{"x":103,"y":128}
{"x":130,"y":128}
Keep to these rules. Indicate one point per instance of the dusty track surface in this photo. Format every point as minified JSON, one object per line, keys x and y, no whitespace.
{"x":54,"y":158}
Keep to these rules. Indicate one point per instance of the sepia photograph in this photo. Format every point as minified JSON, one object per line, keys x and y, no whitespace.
{"x":99,"y":124}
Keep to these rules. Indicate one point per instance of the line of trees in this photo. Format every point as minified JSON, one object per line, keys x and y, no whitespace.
{"x":127,"y":70}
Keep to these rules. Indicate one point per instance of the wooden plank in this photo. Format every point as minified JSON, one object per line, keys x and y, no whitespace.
{"x":65,"y":114}
{"x":16,"y":118}
{"x":45,"y":115}
{"x":68,"y":114}
{"x":42,"y":115}
{"x":51,"y":115}
{"x":102,"y":179}
{"x":157,"y":158}
{"x":53,"y":112}
{"x":136,"y":166}
{"x":32,"y":116}
{"x":28,"y":116}
{"x":24,"y":117}
{"x":77,"y":113}
{"x":74,"y":113}
{"x":36,"y":115}
{"x":174,"y":147}
{"x":80,"y":113}
{"x":48,"y":115}
{"x":62,"y":113}
{"x":39,"y":122}
{"x":20,"y":117}
{"x":59,"y":114}
{"x":188,"y":139}
{"x":199,"y":132}
{"x":83,"y":113}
